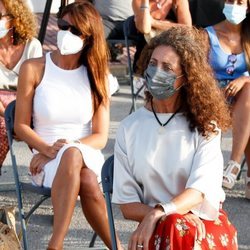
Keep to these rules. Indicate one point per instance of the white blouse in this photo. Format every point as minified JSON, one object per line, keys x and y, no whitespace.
{"x":151,"y":167}
{"x":9,"y":77}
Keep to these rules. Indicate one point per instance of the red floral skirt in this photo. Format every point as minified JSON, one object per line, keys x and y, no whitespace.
{"x":5,"y":98}
{"x":175,"y":233}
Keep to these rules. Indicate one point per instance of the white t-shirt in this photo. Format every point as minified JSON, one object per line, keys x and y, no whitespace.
{"x":151,"y":167}
{"x":9,"y":77}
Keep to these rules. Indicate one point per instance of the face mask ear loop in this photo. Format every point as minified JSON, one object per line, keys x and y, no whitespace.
{"x":177,"y":89}
{"x":179,"y":76}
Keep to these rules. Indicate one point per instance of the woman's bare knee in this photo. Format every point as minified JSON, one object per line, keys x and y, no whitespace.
{"x":88,"y":182}
{"x":71,"y":160}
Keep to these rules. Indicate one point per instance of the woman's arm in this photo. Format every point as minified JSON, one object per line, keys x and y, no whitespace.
{"x":148,"y":216}
{"x":182,"y":14}
{"x":141,"y":10}
{"x":100,"y":127}
{"x":184,"y":202}
{"x":30,"y":75}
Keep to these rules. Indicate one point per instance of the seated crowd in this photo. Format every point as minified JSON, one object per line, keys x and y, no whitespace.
{"x":197,"y":86}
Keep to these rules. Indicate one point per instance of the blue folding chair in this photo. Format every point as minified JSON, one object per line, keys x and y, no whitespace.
{"x":21,"y":186}
{"x":107,"y":185}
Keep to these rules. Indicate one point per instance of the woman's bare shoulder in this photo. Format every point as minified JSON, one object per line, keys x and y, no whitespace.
{"x":33,"y":69}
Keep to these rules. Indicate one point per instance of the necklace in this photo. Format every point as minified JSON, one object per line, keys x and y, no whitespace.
{"x":162,"y":130}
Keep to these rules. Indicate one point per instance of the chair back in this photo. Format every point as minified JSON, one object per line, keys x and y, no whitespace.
{"x":107,"y":185}
{"x":107,"y":175}
{"x":9,"y":116}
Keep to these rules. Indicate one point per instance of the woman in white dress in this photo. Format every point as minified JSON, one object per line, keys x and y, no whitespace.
{"x":17,"y":43}
{"x":168,"y":162}
{"x":65,"y":94}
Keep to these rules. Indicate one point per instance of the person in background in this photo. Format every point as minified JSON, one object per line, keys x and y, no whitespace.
{"x":113,"y":14}
{"x":230,"y":59}
{"x":172,"y":185}
{"x":154,"y":16}
{"x":206,"y":12}
{"x":17,"y":43}
{"x":66,"y":95}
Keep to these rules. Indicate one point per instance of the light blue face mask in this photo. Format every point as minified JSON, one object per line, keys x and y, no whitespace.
{"x":160,"y":83}
{"x":235,"y":13}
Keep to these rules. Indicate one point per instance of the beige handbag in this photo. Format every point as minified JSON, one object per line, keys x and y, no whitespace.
{"x":8,"y":237}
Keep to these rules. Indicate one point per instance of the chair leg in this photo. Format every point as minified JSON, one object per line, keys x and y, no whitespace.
{"x":241,"y":168}
{"x":92,"y":242}
{"x":19,"y":200}
{"x":33,"y":209}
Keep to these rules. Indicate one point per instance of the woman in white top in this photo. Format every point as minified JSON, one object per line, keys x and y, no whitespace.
{"x":66,"y":95}
{"x":168,"y":162}
{"x":17,"y":43}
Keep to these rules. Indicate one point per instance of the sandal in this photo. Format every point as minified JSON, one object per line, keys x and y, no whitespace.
{"x":247,"y":192}
{"x":230,"y":174}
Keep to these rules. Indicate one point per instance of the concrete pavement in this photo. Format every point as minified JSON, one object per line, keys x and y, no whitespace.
{"x":39,"y":229}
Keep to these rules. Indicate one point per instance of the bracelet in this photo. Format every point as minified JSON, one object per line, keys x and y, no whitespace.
{"x":77,"y":141}
{"x":168,"y":208}
{"x":144,"y":7}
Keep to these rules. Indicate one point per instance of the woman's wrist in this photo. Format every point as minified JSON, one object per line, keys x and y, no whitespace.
{"x":144,"y":5}
{"x":167,"y":208}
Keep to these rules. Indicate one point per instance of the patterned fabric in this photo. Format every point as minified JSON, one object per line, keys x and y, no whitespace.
{"x":175,"y":233}
{"x":5,"y":98}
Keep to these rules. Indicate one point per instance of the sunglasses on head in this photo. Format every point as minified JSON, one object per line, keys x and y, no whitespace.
{"x":231,"y":59}
{"x":64,"y":25}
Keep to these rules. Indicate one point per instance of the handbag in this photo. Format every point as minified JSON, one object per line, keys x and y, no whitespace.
{"x":8,"y":237}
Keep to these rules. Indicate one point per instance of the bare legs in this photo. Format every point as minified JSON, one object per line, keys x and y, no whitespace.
{"x":72,"y":179}
{"x":241,"y":135}
{"x":93,"y":205}
{"x":241,"y":126}
{"x":241,"y":138}
{"x":65,"y":189}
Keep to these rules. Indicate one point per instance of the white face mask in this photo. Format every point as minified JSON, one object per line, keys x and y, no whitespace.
{"x":68,"y":43}
{"x":3,"y":30}
{"x":235,"y":13}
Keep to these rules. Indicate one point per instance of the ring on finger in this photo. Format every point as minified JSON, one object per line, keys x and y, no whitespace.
{"x":139,"y":245}
{"x":198,"y":241}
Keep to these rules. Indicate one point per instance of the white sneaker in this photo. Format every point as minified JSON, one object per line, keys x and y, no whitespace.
{"x":230,"y":174}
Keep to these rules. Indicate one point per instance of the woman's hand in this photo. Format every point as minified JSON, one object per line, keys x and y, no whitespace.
{"x":235,"y":86}
{"x":52,"y":151}
{"x":38,"y":162}
{"x":197,"y":222}
{"x":144,"y":231}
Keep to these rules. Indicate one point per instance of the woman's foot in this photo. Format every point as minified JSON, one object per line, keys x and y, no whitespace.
{"x":247,"y":191}
{"x":230,"y":174}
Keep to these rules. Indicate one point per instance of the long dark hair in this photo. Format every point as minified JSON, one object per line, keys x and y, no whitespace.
{"x":95,"y":54}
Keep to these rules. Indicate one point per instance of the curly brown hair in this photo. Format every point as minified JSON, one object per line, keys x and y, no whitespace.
{"x":202,"y":101}
{"x":24,"y":22}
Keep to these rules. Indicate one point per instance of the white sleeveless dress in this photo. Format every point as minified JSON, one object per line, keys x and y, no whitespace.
{"x":62,"y":109}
